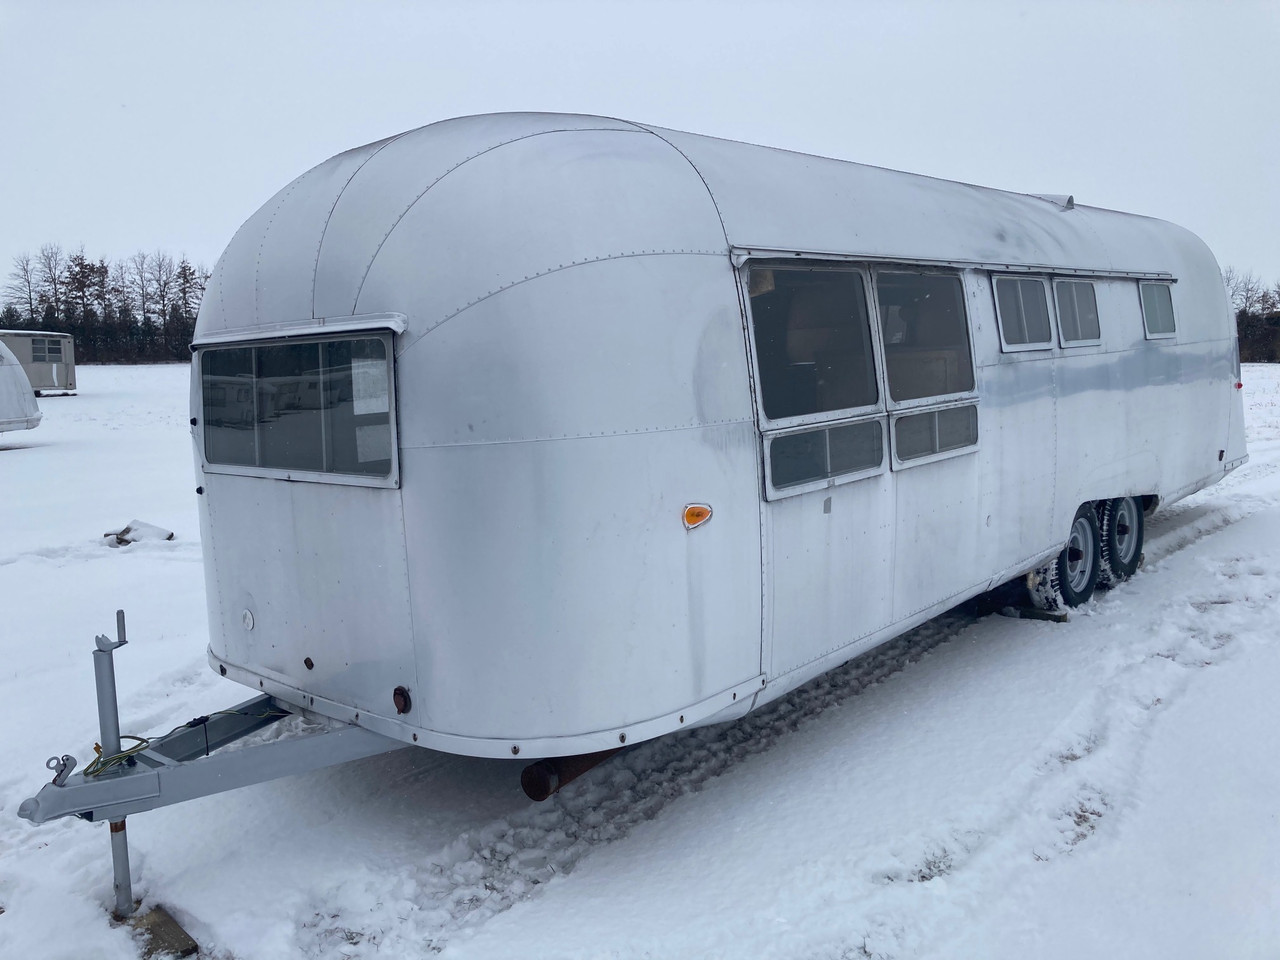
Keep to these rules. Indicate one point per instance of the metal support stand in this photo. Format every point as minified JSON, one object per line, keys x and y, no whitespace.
{"x":104,"y":675}
{"x":183,"y":764}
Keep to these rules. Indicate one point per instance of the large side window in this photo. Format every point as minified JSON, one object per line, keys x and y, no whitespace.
{"x":322,"y":406}
{"x":1157,"y":309}
{"x":813,"y":339}
{"x":1077,"y":312}
{"x":1024,"y":313}
{"x":926,"y":334}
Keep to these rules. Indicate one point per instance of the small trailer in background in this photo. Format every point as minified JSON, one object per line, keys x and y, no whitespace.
{"x":49,"y":359}
{"x":18,"y":407}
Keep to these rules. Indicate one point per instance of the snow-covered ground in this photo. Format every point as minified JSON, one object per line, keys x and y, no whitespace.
{"x":984,"y":787}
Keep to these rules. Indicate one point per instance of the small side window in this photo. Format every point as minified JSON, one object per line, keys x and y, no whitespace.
{"x":38,"y":350}
{"x":1024,"y":313}
{"x":798,"y":458}
{"x":936,"y":432}
{"x":1157,"y":310}
{"x":1077,"y":312}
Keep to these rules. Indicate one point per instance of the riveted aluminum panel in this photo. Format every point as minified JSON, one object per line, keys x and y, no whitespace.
{"x":622,"y":346}
{"x":268,"y":270}
{"x":776,"y":199}
{"x":533,"y":207}
{"x":830,"y":569}
{"x":397,"y":177}
{"x":321,"y":571}
{"x":557,"y":592}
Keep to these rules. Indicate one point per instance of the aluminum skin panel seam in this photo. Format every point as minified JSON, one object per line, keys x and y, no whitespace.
{"x":678,"y":428}
{"x":544,"y":273}
{"x":315,"y":264}
{"x":710,"y":193}
{"x":465,"y":160}
{"x":687,"y":717}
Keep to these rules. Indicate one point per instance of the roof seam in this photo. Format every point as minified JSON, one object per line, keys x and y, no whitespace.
{"x":315,"y":266}
{"x":405,"y":212}
{"x":653,"y":131}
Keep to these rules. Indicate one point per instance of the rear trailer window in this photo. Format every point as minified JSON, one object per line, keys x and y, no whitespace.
{"x":322,"y":406}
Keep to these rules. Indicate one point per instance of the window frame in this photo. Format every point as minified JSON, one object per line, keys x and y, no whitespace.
{"x":773,"y":492}
{"x":1142,"y":305}
{"x":941,"y":399}
{"x":1062,"y":335}
{"x":900,"y":464}
{"x":785,"y":424}
{"x":392,"y":478}
{"x":1050,"y":306}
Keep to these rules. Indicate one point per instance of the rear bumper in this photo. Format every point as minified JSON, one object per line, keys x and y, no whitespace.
{"x":21,"y":423}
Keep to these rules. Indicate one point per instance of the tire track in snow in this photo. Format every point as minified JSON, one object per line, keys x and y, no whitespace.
{"x":485,"y":871}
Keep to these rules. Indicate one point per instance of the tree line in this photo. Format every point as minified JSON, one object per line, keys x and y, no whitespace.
{"x":143,"y":308}
{"x":138,"y":309}
{"x":1257,"y":309}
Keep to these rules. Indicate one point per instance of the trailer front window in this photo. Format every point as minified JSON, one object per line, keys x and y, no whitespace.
{"x":318,"y":406}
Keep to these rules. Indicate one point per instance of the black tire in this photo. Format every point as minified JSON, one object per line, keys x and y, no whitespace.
{"x":1070,"y":579}
{"x":1123,"y":531}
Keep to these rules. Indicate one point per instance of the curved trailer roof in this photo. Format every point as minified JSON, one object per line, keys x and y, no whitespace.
{"x":482,"y":203}
{"x":18,"y":407}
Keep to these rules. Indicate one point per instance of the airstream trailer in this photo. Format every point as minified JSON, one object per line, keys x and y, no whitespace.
{"x":48,"y":358}
{"x":534,"y":435}
{"x":18,"y":407}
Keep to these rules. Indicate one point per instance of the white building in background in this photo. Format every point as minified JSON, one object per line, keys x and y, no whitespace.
{"x":48,"y":358}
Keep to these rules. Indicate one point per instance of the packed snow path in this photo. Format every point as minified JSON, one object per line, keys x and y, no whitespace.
{"x":981,"y":787}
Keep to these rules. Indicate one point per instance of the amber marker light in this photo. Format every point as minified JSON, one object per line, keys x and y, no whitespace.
{"x":696,"y":514}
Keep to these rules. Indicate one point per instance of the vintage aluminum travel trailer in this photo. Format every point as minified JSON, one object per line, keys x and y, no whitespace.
{"x":48,"y":358}
{"x":533,"y":435}
{"x":18,"y":407}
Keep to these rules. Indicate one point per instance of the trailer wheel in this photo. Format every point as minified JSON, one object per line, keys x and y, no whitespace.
{"x":1123,"y":529}
{"x":1069,"y":580}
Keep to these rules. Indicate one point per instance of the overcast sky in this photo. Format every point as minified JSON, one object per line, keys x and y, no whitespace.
{"x":146,"y":125}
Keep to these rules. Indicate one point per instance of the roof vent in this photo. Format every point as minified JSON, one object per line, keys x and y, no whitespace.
{"x":1065,"y":201}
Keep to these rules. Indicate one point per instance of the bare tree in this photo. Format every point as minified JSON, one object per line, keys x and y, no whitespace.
{"x":120,"y":286}
{"x":21,"y":285}
{"x":162,"y":269}
{"x":51,"y":268}
{"x":139,"y":280}
{"x":1246,"y":291}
